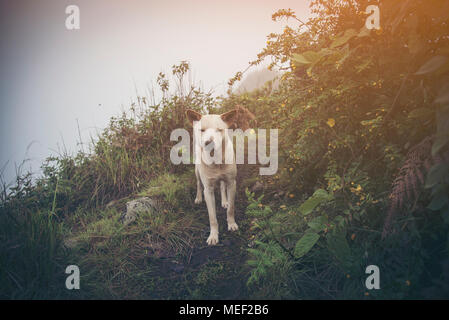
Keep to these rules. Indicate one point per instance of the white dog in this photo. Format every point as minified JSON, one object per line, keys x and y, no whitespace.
{"x":211,"y":141}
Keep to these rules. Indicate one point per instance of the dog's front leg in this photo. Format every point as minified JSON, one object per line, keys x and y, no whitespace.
{"x":232,"y":226}
{"x":224,"y":198}
{"x":199,"y":195}
{"x":209,"y":197}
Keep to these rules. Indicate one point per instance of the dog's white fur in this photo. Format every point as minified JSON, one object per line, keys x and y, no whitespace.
{"x":213,"y":129}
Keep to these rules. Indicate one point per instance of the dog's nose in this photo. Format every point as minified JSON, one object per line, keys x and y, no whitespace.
{"x":210,"y":139}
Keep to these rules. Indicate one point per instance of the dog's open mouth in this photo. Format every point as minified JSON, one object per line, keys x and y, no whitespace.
{"x":210,"y":148}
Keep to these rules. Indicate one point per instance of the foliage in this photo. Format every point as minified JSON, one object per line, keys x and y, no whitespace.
{"x":353,"y":117}
{"x":363,"y":117}
{"x":171,"y":187}
{"x":30,"y":245}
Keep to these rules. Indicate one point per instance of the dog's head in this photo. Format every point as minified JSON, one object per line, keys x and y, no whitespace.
{"x":211,"y":128}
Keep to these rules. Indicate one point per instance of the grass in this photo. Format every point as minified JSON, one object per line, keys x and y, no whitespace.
{"x":30,"y":256}
{"x":171,"y":188}
{"x":72,"y":215}
{"x":161,"y":255}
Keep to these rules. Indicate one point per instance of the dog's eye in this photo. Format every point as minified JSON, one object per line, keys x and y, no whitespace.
{"x":202,"y":130}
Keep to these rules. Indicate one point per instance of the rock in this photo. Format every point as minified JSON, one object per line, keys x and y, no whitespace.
{"x":70,"y":242}
{"x":175,"y":266}
{"x":258,"y":186}
{"x":111,"y":204}
{"x":136,"y":206}
{"x":279,"y":194}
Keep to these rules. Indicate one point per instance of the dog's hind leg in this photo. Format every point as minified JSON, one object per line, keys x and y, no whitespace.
{"x":199,"y":194}
{"x":231,"y":186}
{"x":224,"y":198}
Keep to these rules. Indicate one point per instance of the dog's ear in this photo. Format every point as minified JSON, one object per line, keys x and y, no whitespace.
{"x":193,"y":115}
{"x":244,"y":118}
{"x":229,"y":117}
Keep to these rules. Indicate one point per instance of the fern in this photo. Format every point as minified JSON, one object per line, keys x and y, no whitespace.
{"x":271,"y":267}
{"x":411,"y":178}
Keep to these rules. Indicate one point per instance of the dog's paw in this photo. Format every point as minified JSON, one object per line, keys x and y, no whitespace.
{"x":233,"y":226}
{"x":225,"y":204}
{"x":198,"y":200}
{"x":213,"y":239}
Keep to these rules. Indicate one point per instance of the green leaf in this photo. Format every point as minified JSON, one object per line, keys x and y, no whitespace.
{"x":318,"y":224}
{"x":339,"y":247}
{"x":365,"y":64}
{"x":399,"y":17}
{"x":442,"y":117}
{"x":321,"y":193}
{"x":439,"y":200}
{"x":300,"y":59}
{"x":350,"y":33}
{"x":339,"y":220}
{"x":317,"y":198}
{"x":432,"y":65}
{"x":308,"y":206}
{"x":436,"y":174}
{"x":345,"y":54}
{"x":311,"y":56}
{"x":364,"y":32}
{"x":306,"y":243}
{"x":440,"y":142}
{"x":420,"y":113}
{"x":415,"y":44}
{"x":443,"y":95}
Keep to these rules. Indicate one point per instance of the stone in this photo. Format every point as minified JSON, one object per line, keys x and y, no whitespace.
{"x":136,"y":206}
{"x":258,"y":186}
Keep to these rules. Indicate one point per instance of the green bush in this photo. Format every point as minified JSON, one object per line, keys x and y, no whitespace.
{"x":364,"y":141}
{"x":363,"y":176}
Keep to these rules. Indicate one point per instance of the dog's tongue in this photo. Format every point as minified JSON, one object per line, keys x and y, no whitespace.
{"x":211,"y":147}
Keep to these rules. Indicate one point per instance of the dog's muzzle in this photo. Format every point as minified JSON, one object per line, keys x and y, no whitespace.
{"x":210,"y":147}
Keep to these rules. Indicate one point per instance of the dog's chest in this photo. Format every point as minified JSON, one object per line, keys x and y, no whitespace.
{"x":216,"y":173}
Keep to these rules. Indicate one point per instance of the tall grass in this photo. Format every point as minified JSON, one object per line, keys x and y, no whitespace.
{"x":121,"y":160}
{"x":29,"y":247}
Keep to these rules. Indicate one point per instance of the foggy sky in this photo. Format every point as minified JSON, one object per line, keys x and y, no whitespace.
{"x":50,"y":76}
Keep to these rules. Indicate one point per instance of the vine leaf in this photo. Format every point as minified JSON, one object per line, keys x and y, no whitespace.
{"x":435,"y":173}
{"x":349,"y":34}
{"x":300,"y":59}
{"x":432,"y":65}
{"x":317,"y":198}
{"x":305,"y":244}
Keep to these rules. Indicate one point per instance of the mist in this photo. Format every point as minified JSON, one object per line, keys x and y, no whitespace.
{"x":60,"y":87}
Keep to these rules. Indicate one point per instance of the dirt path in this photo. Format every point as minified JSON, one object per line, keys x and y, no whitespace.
{"x":213,"y":272}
